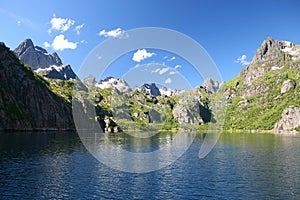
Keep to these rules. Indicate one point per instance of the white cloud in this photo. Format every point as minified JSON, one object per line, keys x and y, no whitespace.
{"x":117,"y":33}
{"x":156,"y":70}
{"x":46,"y":44}
{"x":18,"y":22}
{"x":141,"y":54}
{"x":177,"y":66}
{"x":242,"y":60}
{"x":160,"y":70}
{"x":60,"y":24}
{"x":78,"y":28}
{"x":163,"y":70}
{"x":173,"y":58}
{"x":172,"y":73}
{"x":60,"y":43}
{"x":168,"y":81}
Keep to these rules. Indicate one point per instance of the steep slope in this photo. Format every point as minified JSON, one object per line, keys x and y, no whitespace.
{"x":26,"y":102}
{"x":261,"y":92}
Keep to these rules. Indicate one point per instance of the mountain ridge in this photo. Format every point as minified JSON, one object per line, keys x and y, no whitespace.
{"x":39,"y":60}
{"x":264,"y":96}
{"x":26,"y":102}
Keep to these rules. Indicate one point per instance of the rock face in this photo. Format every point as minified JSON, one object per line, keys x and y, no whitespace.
{"x":63,"y":72}
{"x":89,"y":80}
{"x":257,"y":96}
{"x":26,"y":103}
{"x":149,"y":89}
{"x":211,"y":85}
{"x":187,"y":111}
{"x":169,"y":92}
{"x":118,"y":83}
{"x":271,"y":49}
{"x":267,"y":57}
{"x":36,"y":57}
{"x":290,"y":119}
{"x":287,"y":86}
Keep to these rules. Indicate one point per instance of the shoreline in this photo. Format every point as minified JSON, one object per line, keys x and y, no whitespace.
{"x":275,"y":132}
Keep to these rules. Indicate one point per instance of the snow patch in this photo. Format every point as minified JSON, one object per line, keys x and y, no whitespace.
{"x":274,"y":68}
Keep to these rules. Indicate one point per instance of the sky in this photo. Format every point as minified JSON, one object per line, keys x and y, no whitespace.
{"x":229,"y":32}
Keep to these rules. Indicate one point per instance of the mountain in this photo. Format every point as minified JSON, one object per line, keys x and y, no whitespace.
{"x":264,"y":96}
{"x":211,"y":85}
{"x":169,"y":91}
{"x":266,"y":93}
{"x":63,"y":72}
{"x":26,"y":102}
{"x":109,"y":82}
{"x":35,"y":56}
{"x":151,"y":89}
{"x":49,"y":65}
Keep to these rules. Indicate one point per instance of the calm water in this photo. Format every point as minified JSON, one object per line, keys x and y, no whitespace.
{"x":241,"y":166}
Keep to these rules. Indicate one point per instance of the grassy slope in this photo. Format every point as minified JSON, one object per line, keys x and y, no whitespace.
{"x":263,"y":110}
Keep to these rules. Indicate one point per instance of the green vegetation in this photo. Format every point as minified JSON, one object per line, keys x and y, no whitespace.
{"x":262,"y":109}
{"x":62,"y":88}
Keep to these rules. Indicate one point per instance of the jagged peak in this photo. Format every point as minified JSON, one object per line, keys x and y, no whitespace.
{"x":268,"y":50}
{"x":36,"y":56}
{"x":28,"y":42}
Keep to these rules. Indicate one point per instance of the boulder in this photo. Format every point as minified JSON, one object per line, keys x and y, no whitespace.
{"x":287,"y":85}
{"x":290,"y":119}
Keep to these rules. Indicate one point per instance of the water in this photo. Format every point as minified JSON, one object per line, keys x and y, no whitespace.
{"x":241,"y":166}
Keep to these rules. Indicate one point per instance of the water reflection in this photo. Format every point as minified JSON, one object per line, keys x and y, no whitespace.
{"x":126,"y":153}
{"x":241,"y":166}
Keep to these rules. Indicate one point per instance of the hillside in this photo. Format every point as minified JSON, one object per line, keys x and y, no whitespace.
{"x":261,"y":94}
{"x":264,"y":96}
{"x":26,"y":100}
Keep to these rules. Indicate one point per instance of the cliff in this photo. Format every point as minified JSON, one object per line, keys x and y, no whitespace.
{"x":26,"y":102}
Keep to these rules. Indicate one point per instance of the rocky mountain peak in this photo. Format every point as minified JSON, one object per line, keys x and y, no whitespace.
{"x":151,"y":89}
{"x":35,"y":56}
{"x":111,"y":82}
{"x":211,"y":85}
{"x":268,"y":50}
{"x":271,"y":49}
{"x":26,"y":44}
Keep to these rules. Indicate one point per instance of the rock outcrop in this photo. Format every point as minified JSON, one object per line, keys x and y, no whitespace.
{"x":26,"y":103}
{"x":271,"y":55}
{"x":63,"y":72}
{"x":111,"y":82}
{"x":169,"y":92}
{"x":151,"y":89}
{"x":257,"y":96}
{"x":290,"y":119}
{"x":90,"y":80}
{"x":187,"y":111}
{"x":35,"y":56}
{"x":287,"y":85}
{"x":211,"y":85}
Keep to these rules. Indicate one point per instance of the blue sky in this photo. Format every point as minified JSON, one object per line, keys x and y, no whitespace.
{"x":227,"y":30}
